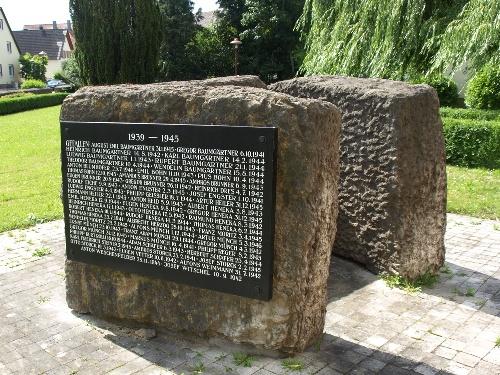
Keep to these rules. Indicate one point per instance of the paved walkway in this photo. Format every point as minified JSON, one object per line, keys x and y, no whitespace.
{"x":370,"y":328}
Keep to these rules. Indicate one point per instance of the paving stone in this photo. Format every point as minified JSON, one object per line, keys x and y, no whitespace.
{"x":435,"y":361}
{"x":454,"y":344}
{"x":493,"y":356}
{"x":466,"y":359}
{"x":485,"y":368}
{"x":266,"y":372}
{"x":154,"y":370}
{"x":341,"y":364}
{"x":372,"y":364}
{"x":393,"y":370}
{"x":376,"y":341}
{"x":458,"y":369}
{"x":425,"y":369}
{"x":450,"y":337}
{"x":325,"y":371}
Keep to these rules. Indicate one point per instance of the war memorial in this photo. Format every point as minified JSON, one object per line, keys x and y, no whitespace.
{"x":213,"y":207}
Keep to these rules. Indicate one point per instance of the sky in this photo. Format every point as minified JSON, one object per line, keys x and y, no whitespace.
{"x":22,"y":12}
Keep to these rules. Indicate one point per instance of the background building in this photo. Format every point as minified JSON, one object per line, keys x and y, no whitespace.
{"x":56,"y":40}
{"x":9,"y":55}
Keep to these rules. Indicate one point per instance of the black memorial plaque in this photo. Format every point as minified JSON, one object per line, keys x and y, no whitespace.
{"x":192,"y":204}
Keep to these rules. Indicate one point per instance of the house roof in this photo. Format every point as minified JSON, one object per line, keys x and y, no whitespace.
{"x":36,"y":41}
{"x":48,"y":26}
{"x":12,"y":33}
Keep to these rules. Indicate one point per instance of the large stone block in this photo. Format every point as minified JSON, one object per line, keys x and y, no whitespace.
{"x":306,"y":210}
{"x":392,"y":193}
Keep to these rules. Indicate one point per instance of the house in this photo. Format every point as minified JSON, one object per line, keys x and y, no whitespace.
{"x":68,"y":26}
{"x":47,"y":26}
{"x":9,"y":55}
{"x":57,"y":43}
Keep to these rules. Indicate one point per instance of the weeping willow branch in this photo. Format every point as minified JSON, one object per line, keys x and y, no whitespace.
{"x":472,"y":38}
{"x":373,"y":38}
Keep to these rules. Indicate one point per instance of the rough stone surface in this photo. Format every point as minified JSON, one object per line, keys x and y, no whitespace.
{"x":246,"y":81}
{"x":250,"y":81}
{"x":306,"y":210}
{"x":392,"y":193}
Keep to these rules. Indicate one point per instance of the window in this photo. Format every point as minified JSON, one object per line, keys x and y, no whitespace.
{"x":11,"y":70}
{"x":1,"y":71}
{"x":1,"y":24}
{"x":9,"y":47}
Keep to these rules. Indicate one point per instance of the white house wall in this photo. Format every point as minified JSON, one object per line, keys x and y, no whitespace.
{"x":54,"y":66}
{"x":8,"y":58}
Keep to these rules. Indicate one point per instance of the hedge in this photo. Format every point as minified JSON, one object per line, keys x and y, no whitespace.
{"x":25,"y":103}
{"x":470,"y":114}
{"x":446,"y":88}
{"x":472,"y":143}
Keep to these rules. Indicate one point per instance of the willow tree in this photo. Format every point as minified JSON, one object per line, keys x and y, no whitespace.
{"x":373,"y":38}
{"x":118,"y":41}
{"x":472,"y":38}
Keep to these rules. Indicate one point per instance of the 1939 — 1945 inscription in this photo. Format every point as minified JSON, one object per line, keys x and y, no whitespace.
{"x":190,"y":203}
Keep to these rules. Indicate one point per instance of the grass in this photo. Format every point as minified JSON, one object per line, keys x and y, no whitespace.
{"x":470,"y":114}
{"x":30,"y":175}
{"x":446,"y":270}
{"x":42,"y":299}
{"x":41,"y":252}
{"x":470,"y":292}
{"x":199,"y":368}
{"x":410,"y":286}
{"x":242,"y":359}
{"x":497,"y":342}
{"x":474,"y":192}
{"x":292,"y":364}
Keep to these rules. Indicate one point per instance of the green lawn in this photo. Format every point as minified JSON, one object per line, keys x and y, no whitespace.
{"x":30,"y":175}
{"x":474,"y":192}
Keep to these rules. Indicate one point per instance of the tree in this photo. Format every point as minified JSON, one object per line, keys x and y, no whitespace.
{"x":179,"y":27}
{"x":118,"y":41}
{"x":33,"y":66}
{"x":374,"y":38}
{"x":213,"y":41}
{"x":230,"y":14}
{"x":473,"y":38}
{"x":209,"y":52}
{"x":71,"y":73}
{"x":272,"y":47}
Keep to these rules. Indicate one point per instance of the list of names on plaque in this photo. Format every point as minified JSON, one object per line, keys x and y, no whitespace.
{"x":198,"y":210}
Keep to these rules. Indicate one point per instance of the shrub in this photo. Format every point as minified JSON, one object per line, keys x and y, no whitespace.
{"x":33,"y":66}
{"x":483,"y":90}
{"x":470,"y":114}
{"x":18,"y":94}
{"x":471,"y":143}
{"x":71,"y":73}
{"x":33,"y":84}
{"x":59,"y":76}
{"x":446,"y":89}
{"x":25,"y":103}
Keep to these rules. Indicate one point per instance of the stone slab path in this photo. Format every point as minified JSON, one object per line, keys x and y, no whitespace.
{"x":452,"y":328}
